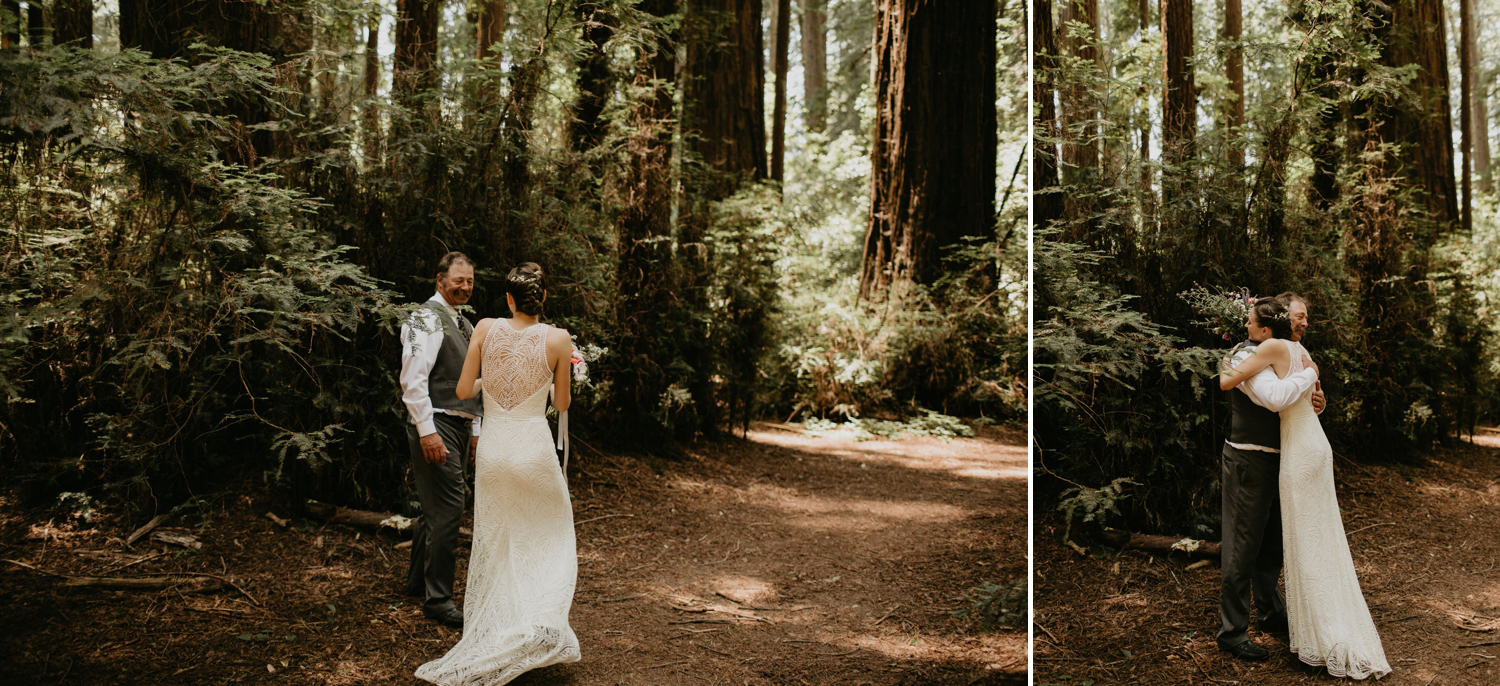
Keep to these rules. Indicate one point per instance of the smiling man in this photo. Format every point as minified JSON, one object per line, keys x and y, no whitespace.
{"x":442,"y":432}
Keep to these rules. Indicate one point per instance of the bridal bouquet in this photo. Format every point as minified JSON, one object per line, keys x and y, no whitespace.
{"x":1222,"y":312}
{"x":582,"y":358}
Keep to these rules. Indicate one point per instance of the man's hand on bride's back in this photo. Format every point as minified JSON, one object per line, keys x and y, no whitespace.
{"x":1318,"y":400}
{"x":1309,"y":364}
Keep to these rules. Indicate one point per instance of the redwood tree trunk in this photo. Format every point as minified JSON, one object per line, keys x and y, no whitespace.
{"x":73,"y":22}
{"x":815,"y":64}
{"x":1234,"y":71}
{"x":371,"y":78}
{"x":1418,"y":35}
{"x":594,"y":80}
{"x":1045,"y":207}
{"x":491,"y":26}
{"x":1465,"y":112}
{"x":1479,"y":111}
{"x":933,"y":157}
{"x":725,"y":95}
{"x":416,"y":49}
{"x":1079,"y":104}
{"x":1180,"y":100}
{"x":1148,"y":194}
{"x":778,"y":112}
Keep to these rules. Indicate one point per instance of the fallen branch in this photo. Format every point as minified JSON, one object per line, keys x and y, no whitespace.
{"x":595,"y":519}
{"x":1480,"y":645}
{"x":155,"y":522}
{"x":201,"y":584}
{"x":1165,"y":545}
{"x":183,"y":540}
{"x":374,"y":522}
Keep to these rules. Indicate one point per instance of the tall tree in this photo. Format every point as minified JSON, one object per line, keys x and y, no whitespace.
{"x":1046,"y":207}
{"x":1466,"y":112}
{"x":1148,"y":196}
{"x":1234,"y":72}
{"x":1180,"y":98}
{"x":416,"y":49}
{"x":933,"y":157}
{"x":73,"y":22}
{"x":815,"y":64}
{"x":724,"y":96}
{"x":645,"y":269}
{"x":594,"y":79}
{"x":371,"y":82}
{"x":778,"y":111}
{"x":1479,"y":110}
{"x":1416,"y":34}
{"x":491,"y":25}
{"x":1080,"y":112}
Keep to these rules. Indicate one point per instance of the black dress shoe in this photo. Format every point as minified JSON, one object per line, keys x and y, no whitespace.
{"x":454,"y":617}
{"x":1275,"y":625}
{"x":1248,"y":651}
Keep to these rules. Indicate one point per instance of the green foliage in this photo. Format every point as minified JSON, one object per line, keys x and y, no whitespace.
{"x":995,"y":605}
{"x":1125,"y":332}
{"x":1092,"y":505}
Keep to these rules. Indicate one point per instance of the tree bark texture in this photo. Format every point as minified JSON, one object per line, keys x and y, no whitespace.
{"x":416,"y":49}
{"x":933,"y":157}
{"x":1045,"y":207}
{"x":1418,"y":35}
{"x":1180,"y":99}
{"x":1148,"y":194}
{"x":778,"y":110}
{"x":1234,"y":71}
{"x":1079,"y":104}
{"x":815,"y":64}
{"x":1479,"y":111}
{"x":725,"y":92}
{"x":645,"y":269}
{"x":73,"y":22}
{"x":491,"y":25}
{"x":1465,"y":114}
{"x":371,"y":82}
{"x":594,"y":79}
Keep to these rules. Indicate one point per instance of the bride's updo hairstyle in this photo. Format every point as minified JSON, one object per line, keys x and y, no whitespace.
{"x":1271,"y":312}
{"x":527,"y":285}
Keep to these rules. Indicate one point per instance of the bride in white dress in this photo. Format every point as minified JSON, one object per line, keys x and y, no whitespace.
{"x":524,"y":562}
{"x":1328,"y":620}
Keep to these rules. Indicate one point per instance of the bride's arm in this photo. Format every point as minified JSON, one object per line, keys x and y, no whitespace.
{"x":560,"y":353}
{"x":468,"y":379}
{"x":1264,"y":354}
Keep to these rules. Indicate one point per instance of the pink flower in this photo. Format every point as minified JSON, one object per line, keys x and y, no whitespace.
{"x":1226,"y":337}
{"x":576,"y":357}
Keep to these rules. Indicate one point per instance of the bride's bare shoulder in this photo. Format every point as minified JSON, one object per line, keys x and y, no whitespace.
{"x":1273,"y":346}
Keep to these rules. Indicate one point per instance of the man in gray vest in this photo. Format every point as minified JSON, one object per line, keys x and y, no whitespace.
{"x":1251,"y":554}
{"x":442,"y":432}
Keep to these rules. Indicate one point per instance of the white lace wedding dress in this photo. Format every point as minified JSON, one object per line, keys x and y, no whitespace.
{"x":524,"y":562}
{"x":1326,"y":612}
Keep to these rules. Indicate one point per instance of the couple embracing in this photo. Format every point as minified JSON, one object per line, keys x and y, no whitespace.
{"x":1280,"y":506}
{"x":523,"y":564}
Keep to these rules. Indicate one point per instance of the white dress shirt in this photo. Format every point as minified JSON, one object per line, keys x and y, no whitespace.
{"x":1275,"y":394}
{"x":419,"y":351}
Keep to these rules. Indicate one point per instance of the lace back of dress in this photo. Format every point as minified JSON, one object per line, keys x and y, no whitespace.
{"x":1296,"y":352}
{"x":515,"y":363}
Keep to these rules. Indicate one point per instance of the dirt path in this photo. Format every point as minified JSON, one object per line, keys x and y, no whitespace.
{"x":785,"y":559}
{"x":1426,"y":543}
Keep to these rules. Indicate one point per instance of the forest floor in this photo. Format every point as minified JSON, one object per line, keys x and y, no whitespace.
{"x":1426,"y":544}
{"x":787,"y":558}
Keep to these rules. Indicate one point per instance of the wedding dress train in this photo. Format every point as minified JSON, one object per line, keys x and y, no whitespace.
{"x":524,"y":563}
{"x":1329,"y":622}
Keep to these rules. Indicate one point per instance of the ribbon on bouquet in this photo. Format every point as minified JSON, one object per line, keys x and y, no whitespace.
{"x":562,"y":439}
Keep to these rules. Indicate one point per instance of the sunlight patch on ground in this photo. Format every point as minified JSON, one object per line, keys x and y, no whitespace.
{"x":977,"y":458}
{"x":1487,"y":436}
{"x":854,"y":514}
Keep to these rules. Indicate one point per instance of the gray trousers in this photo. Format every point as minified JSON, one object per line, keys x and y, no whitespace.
{"x":442,"y":490}
{"x":1252,"y":555}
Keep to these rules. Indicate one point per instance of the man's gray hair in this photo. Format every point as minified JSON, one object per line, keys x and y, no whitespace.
{"x":447,"y":262}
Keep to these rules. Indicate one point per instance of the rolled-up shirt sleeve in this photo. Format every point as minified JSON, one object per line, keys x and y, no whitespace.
{"x":1277,"y":394}
{"x":419,"y":351}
